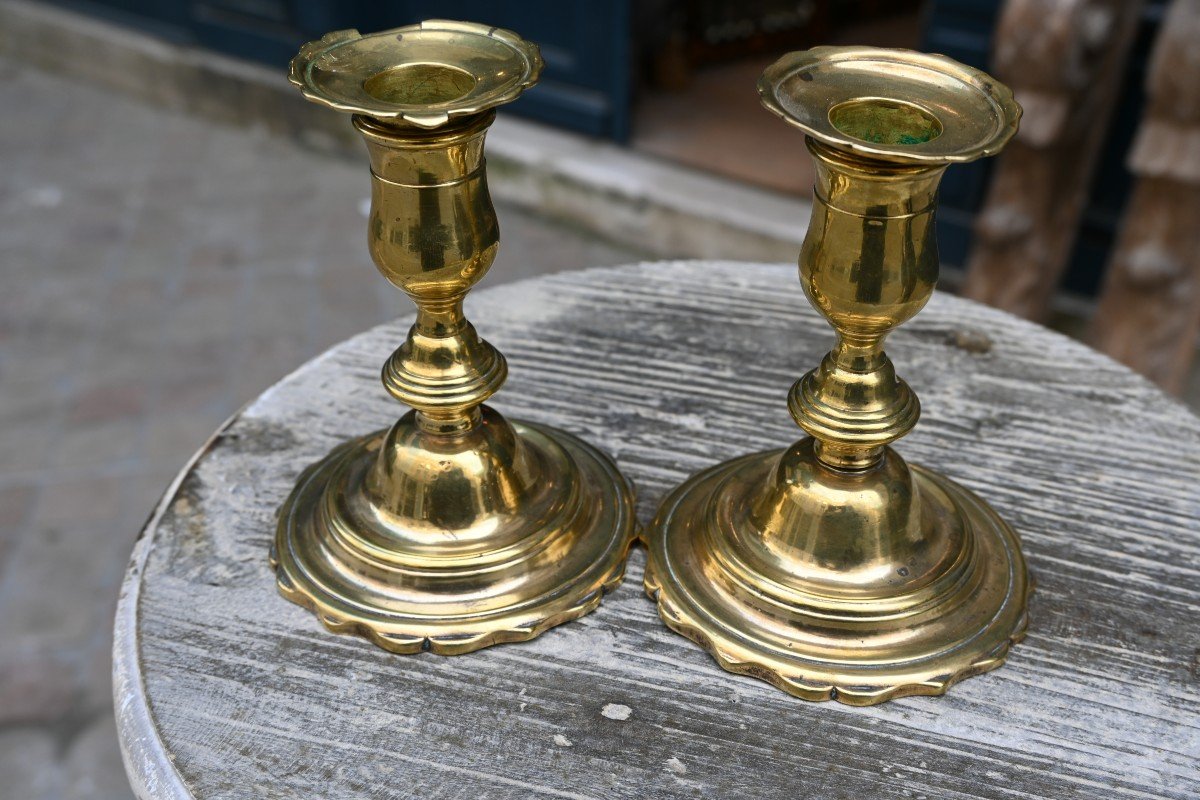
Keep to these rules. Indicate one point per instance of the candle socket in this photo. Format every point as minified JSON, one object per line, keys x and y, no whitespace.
{"x":456,"y":528}
{"x":833,"y":569}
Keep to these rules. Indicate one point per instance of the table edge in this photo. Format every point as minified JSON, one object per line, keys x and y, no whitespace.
{"x":150,"y":772}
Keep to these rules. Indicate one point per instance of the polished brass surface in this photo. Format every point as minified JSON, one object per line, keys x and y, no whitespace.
{"x":455,"y":529}
{"x":834,"y":569}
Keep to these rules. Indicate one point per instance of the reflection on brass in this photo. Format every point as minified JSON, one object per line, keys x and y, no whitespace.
{"x":834,"y":569}
{"x":455,"y":529}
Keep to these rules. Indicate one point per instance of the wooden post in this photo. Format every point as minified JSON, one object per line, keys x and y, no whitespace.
{"x":1149,"y":312}
{"x":1064,"y":60}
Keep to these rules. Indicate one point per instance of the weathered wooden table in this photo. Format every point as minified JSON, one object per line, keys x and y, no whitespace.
{"x":225,"y":690}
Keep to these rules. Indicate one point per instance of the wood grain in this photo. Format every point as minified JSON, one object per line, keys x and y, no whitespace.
{"x":228,"y":691}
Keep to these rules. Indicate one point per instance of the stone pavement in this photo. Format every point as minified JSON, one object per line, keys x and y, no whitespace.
{"x":156,"y":272}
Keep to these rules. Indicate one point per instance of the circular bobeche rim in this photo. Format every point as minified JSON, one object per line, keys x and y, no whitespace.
{"x":818,"y":125}
{"x":521,"y":70}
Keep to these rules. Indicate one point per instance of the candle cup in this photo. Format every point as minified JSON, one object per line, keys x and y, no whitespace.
{"x":455,"y":529}
{"x":833,"y":569}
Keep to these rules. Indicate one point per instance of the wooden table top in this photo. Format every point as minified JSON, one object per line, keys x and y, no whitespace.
{"x":226,"y":690}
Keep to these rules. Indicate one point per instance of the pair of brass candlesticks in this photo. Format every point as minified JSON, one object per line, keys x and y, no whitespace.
{"x":831,"y":569}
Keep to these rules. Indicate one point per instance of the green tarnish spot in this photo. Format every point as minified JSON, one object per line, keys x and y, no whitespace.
{"x":885,"y":121}
{"x":419,"y":84}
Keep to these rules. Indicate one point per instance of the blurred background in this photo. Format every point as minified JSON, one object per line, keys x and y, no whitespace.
{"x":179,"y":229}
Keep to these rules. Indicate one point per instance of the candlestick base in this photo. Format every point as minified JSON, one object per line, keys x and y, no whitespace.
{"x":856,"y":586}
{"x":423,"y":541}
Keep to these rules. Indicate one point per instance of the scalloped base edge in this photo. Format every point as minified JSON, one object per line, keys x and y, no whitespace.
{"x":451,"y":643}
{"x":797,"y":686}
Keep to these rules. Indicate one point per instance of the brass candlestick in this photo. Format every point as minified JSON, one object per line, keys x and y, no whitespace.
{"x":833,"y":569}
{"x":455,"y":529}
